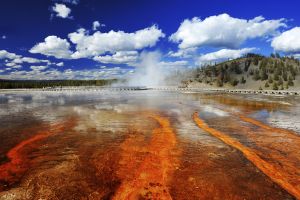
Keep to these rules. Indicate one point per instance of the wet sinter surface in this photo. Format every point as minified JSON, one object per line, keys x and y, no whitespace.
{"x":148,"y":145}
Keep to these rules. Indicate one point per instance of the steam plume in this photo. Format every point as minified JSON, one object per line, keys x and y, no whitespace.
{"x":149,"y":71}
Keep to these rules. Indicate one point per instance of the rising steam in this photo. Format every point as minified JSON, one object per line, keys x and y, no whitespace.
{"x":149,"y":71}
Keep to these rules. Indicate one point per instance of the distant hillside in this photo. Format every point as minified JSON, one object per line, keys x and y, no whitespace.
{"x":250,"y":72}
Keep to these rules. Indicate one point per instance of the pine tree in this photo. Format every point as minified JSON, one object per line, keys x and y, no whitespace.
{"x":286,"y":86}
{"x":280,"y":82}
{"x":267,"y":84}
{"x":275,"y":86}
{"x":227,"y":77}
{"x":234,"y":82}
{"x":276,"y":76}
{"x":281,"y":88}
{"x":243,"y":80}
{"x":270,"y":79}
{"x":284,"y":76}
{"x":290,"y":81}
{"x":263,"y":74}
{"x":256,"y":75}
{"x":219,"y":83}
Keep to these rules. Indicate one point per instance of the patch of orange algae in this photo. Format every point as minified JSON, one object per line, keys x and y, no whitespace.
{"x":265,"y":126}
{"x":18,"y":162}
{"x":261,"y":124}
{"x":235,"y":101}
{"x":149,"y":174}
{"x":261,"y":164}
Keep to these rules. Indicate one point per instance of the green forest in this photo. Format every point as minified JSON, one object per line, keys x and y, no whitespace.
{"x":13,"y":84}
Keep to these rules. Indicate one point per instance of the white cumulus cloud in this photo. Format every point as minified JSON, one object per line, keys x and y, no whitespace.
{"x":61,"y":10}
{"x":5,"y":54}
{"x":14,"y":60}
{"x":288,"y":41}
{"x":122,"y":46}
{"x":42,"y":72}
{"x":96,"y":25}
{"x":38,"y":68}
{"x":60,"y":64}
{"x":53,"y":46}
{"x":13,"y":65}
{"x":21,"y":60}
{"x":179,"y":63}
{"x":113,"y":41}
{"x":75,"y":2}
{"x":223,"y":31}
{"x":183,"y":53}
{"x":120,"y":57}
{"x":223,"y":54}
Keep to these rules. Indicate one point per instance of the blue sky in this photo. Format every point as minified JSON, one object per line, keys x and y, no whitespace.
{"x":89,"y":39}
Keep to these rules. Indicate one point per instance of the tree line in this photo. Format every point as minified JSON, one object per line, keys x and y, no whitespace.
{"x":14,"y":84}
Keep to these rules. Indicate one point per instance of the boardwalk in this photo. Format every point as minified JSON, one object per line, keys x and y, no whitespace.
{"x":165,"y":88}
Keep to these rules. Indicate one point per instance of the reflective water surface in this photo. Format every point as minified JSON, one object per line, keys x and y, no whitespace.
{"x":148,"y":145}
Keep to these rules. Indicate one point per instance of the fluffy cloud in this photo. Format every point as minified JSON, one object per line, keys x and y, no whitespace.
{"x":115,"y":72}
{"x":61,"y":10}
{"x":53,"y":46}
{"x":21,"y":60}
{"x":34,"y":74}
{"x":180,"y":63}
{"x":113,"y":41}
{"x":10,"y":64}
{"x":5,"y":54}
{"x":223,"y":31}
{"x":13,"y":65}
{"x":96,"y":25}
{"x":183,"y":53}
{"x":38,"y":68}
{"x":121,"y":45}
{"x":120,"y":57}
{"x":288,"y":41}
{"x":222,"y":55}
{"x":3,"y":37}
{"x":14,"y":61}
{"x":60,"y":64}
{"x":75,"y":2}
{"x":42,"y":72}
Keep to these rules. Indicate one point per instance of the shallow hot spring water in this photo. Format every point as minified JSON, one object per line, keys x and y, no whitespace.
{"x":148,"y":145}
